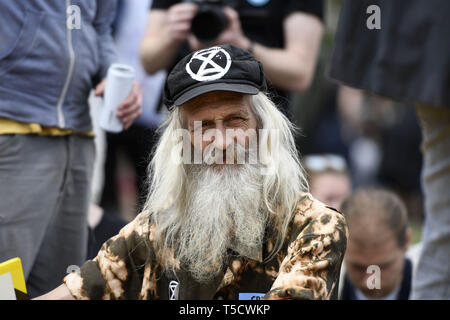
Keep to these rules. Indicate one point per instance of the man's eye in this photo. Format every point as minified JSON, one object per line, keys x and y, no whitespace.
{"x":236,"y":119}
{"x":359,"y":268}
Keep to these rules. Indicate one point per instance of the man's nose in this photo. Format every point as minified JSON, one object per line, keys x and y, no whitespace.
{"x":221,"y":139}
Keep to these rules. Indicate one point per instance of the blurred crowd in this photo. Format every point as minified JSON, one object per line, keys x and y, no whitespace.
{"x":361,"y":150}
{"x":349,"y":139}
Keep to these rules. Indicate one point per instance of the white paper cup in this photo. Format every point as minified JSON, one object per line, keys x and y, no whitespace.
{"x":119,"y":83}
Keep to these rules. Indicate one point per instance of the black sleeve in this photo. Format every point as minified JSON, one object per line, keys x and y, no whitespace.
{"x":314,"y":7}
{"x":163,"y":4}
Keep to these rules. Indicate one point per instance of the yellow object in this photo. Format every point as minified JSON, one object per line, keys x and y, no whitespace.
{"x":14,"y":268}
{"x":8,"y":126}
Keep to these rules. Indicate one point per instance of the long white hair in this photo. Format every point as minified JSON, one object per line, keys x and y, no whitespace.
{"x":282,"y":181}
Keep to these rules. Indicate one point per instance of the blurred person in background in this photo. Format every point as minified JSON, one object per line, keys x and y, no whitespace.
{"x":284,"y":35}
{"x":328,"y":178}
{"x":345,"y":126}
{"x":338,"y":121}
{"x":378,"y":137}
{"x":51,"y":56}
{"x":401,"y":49}
{"x":135,"y":144}
{"x":378,"y":236}
{"x":102,"y":225}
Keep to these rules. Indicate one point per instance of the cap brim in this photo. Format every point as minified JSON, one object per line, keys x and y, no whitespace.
{"x":233,"y":87}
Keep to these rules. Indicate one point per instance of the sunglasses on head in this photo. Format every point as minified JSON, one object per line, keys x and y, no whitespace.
{"x":324,"y":162}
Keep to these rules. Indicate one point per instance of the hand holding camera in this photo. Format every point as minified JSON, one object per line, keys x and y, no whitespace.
{"x":230,"y":33}
{"x":179,"y":18}
{"x":206,"y":23}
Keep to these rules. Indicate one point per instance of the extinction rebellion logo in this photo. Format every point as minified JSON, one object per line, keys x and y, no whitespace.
{"x":209,"y":64}
{"x":174,"y":290}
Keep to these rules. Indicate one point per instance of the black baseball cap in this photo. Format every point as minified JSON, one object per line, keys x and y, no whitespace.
{"x":220,"y":68}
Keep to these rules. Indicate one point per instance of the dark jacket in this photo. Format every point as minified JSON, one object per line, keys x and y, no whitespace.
{"x":407,"y":59}
{"x":348,"y":291}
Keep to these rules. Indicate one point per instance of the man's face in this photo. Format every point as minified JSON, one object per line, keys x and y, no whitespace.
{"x":383,"y":252}
{"x":218,"y":119}
{"x":330,"y":188}
{"x":222,"y":204}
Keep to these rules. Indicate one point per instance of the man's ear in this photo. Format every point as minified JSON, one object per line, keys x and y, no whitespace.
{"x":408,"y":237}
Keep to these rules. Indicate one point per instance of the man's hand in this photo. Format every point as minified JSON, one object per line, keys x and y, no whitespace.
{"x":166,"y":31}
{"x":60,"y":293}
{"x":232,"y":34}
{"x":130,"y":109}
{"x":179,"y":19}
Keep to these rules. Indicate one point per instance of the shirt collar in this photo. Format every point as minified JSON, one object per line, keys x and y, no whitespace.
{"x":391,"y":296}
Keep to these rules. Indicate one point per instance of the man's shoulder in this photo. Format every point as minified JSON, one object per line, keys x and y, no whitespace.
{"x":132,"y":241}
{"x":140,"y":226}
{"x":308,"y":205}
{"x":135,"y":232}
{"x":311,"y":211}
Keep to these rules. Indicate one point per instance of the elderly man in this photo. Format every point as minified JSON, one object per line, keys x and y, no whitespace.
{"x":220,"y":228}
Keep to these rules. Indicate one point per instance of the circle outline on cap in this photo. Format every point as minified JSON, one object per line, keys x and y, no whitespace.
{"x":213,"y":77}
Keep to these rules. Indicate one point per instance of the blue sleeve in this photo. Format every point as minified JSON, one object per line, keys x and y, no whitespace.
{"x":104,"y":19}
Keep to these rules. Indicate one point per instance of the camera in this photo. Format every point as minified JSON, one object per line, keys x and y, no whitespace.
{"x":209,"y":21}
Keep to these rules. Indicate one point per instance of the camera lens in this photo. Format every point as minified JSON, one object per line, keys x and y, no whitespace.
{"x":208,"y":23}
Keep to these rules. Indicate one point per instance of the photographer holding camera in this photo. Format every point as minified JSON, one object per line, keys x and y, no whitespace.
{"x":284,"y":35}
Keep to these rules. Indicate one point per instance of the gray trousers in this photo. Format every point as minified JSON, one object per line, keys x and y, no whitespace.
{"x":432,"y":279}
{"x":44,"y":199}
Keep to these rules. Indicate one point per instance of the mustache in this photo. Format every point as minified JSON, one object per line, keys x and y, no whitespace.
{"x":235,"y":153}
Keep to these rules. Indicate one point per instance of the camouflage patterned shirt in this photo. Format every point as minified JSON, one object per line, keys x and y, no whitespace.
{"x":128,"y":266}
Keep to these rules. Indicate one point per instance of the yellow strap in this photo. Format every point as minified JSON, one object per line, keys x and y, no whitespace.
{"x":8,"y":126}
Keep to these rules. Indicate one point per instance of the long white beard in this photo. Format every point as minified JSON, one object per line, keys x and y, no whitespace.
{"x":223,"y":206}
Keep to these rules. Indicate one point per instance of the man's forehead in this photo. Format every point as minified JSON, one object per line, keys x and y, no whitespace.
{"x":217,"y":103}
{"x":380,"y":257}
{"x":369,"y":243}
